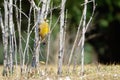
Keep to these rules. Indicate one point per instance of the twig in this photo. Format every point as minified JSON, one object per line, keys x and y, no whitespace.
{"x":54,"y":25}
{"x":86,"y":3}
{"x":33,"y":4}
{"x":14,"y":5}
{"x":94,"y":6}
{"x":28,"y":44}
{"x":55,"y":8}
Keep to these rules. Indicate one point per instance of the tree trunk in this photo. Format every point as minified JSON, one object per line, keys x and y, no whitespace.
{"x":61,"y":51}
{"x":5,"y":37}
{"x":11,"y":26}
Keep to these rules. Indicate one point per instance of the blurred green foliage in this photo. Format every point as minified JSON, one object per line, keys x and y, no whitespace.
{"x":89,"y":52}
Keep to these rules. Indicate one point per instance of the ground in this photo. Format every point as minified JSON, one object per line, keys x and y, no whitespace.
{"x":91,"y":72}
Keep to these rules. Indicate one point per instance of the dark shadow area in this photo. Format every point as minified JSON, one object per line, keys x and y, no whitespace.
{"x":107,"y":43}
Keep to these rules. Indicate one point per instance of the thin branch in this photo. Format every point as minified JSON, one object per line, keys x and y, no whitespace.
{"x":64,"y":33}
{"x":34,"y":5}
{"x":28,"y":44}
{"x":57,"y":7}
{"x":28,"y":36}
{"x":19,"y":32}
{"x":48,"y":47}
{"x":87,"y":2}
{"x":83,"y":37}
{"x":94,"y":6}
{"x":14,"y":5}
{"x":75,"y":41}
{"x":55,"y":25}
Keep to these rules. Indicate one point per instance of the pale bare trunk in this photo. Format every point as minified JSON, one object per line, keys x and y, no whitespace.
{"x":61,"y":51}
{"x":11,"y":37}
{"x":84,"y":29}
{"x":5,"y":37}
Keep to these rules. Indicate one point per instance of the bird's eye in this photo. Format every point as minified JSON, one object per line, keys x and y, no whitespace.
{"x":38,"y":29}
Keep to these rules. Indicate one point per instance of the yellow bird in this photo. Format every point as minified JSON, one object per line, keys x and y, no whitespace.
{"x":44,"y":29}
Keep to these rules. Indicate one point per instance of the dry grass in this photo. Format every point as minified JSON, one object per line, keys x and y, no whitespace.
{"x":92,"y":72}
